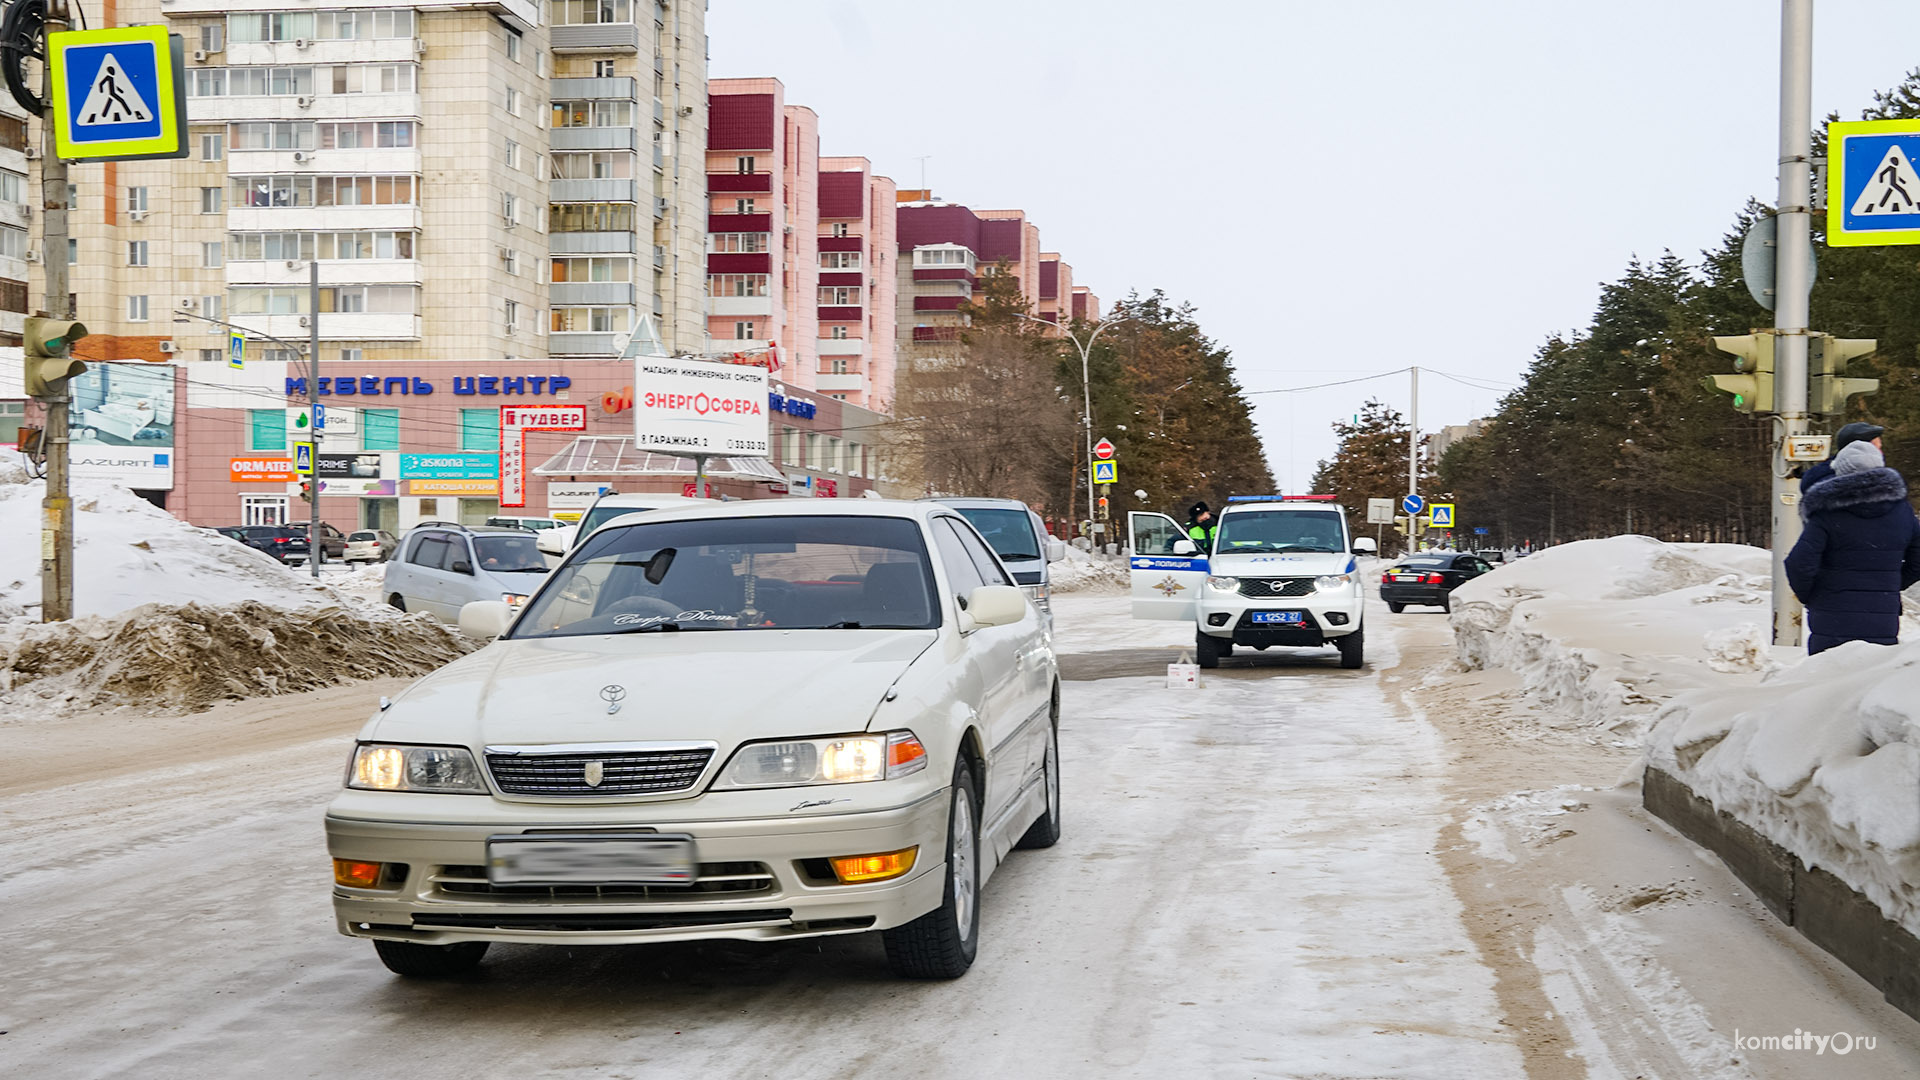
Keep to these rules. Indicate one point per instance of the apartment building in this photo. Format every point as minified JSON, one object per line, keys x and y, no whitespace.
{"x":945,"y":251}
{"x":1086,"y":306}
{"x":1055,"y":302}
{"x":857,"y":249}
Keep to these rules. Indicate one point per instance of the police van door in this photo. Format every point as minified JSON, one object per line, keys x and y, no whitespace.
{"x":1165,"y":583}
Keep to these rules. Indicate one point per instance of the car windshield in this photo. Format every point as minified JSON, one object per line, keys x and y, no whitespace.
{"x":753,"y":573}
{"x":1245,"y":531}
{"x":508,"y":555}
{"x":602,"y":514}
{"x":1008,"y":532}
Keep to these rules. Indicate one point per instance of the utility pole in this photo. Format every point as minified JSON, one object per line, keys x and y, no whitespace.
{"x":1086,"y":391}
{"x":1413,"y":462}
{"x":1791,"y":288}
{"x":316,"y":550}
{"x":56,"y":537}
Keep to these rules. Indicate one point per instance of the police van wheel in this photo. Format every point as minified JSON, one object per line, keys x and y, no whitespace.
{"x":1353,"y":649}
{"x":1207,"y":651}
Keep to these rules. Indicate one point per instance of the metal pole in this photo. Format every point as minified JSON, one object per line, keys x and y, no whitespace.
{"x":56,"y":539}
{"x":1086,"y":391}
{"x":316,"y":549}
{"x":1791,"y":288}
{"x":1413,"y":462}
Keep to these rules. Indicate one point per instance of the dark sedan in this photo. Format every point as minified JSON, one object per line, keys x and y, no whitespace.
{"x":1429,"y":578}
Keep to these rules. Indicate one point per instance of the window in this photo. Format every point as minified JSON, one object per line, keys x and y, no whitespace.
{"x":737,"y":284}
{"x":591,"y":320}
{"x":279,"y":192}
{"x":510,"y":154}
{"x":738,"y":243}
{"x":839,"y":295}
{"x":352,"y":356}
{"x":266,"y":429}
{"x":598,"y":268}
{"x":511,"y":311}
{"x":743,"y":165}
{"x":744,"y":331}
{"x":367,"y":135}
{"x":371,"y":78}
{"x":13,"y":242}
{"x":379,"y":429}
{"x":591,"y":12}
{"x":513,"y":102}
{"x":513,"y":44}
{"x":279,"y":356}
{"x":838,"y":365}
{"x":211,"y":200}
{"x":593,"y":165}
{"x":839,"y":333}
{"x":73,"y":251}
{"x":479,"y":429}
{"x":603,"y":69}
{"x":272,"y":135}
{"x":590,"y":217}
{"x":840,"y":228}
{"x":213,"y":146}
{"x":13,"y":187}
{"x":251,"y":247}
{"x":573,"y":114}
{"x":213,"y":36}
{"x":513,"y":263}
{"x":743,"y":206}
{"x":137,"y":199}
{"x":364,"y":298}
{"x":213,"y":306}
{"x":212,"y":356}
{"x":363,"y":25}
{"x":509,"y":206}
{"x":290,"y":26}
{"x":137,"y":253}
{"x":213,"y":254}
{"x":13,"y":295}
{"x":839,"y":260}
{"x":251,"y":82}
{"x":13,"y":133}
{"x":137,"y":309}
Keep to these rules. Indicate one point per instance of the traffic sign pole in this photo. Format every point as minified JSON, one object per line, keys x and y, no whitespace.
{"x":56,"y":538}
{"x":1791,"y":288}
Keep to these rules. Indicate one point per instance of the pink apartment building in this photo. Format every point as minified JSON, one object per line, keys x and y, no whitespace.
{"x":857,"y":283}
{"x":1056,"y":288}
{"x":946,"y":248}
{"x":1086,"y":306}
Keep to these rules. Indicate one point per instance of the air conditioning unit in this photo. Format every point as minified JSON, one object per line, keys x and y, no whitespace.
{"x":505,"y":254}
{"x":507,"y":220}
{"x":293,"y":264}
{"x":188,"y":303}
{"x":199,"y":56}
{"x":301,"y":156}
{"x":136,"y":215}
{"x":33,"y":255}
{"x":301,"y":43}
{"x":303,"y":102}
{"x":305,"y":322}
{"x":169,"y":347}
{"x":419,"y":47}
{"x":33,"y":153}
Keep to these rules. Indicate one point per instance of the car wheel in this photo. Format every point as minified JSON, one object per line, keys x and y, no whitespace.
{"x":430,"y":961}
{"x":941,"y":944}
{"x":1353,"y":649}
{"x":398,"y":602}
{"x":1396,"y":608}
{"x":1446,"y":601}
{"x":1207,"y":651}
{"x":1045,"y":832}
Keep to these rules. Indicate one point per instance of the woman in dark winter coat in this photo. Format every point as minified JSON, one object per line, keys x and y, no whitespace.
{"x":1861,"y":547}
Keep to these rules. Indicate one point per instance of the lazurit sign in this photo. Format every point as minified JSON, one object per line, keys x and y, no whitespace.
{"x":515,"y":422}
{"x":257,"y":470}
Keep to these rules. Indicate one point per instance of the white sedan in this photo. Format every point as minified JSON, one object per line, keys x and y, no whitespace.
{"x":748,"y":720}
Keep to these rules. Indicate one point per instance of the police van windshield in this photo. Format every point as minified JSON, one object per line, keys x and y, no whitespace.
{"x":1246,"y":531}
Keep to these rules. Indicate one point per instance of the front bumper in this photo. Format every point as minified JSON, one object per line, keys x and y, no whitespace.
{"x":1324,"y":617}
{"x":760,"y":879}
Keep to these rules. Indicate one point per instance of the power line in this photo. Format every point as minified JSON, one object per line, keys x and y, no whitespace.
{"x":1322,"y":386}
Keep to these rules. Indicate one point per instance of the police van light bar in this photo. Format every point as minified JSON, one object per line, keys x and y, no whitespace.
{"x":1282,"y":498}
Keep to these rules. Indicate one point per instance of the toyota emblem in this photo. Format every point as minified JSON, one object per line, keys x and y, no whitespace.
{"x":595,"y":772}
{"x":613,"y":694}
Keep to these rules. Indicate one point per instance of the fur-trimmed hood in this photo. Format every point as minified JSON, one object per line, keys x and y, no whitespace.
{"x":1869,"y":493}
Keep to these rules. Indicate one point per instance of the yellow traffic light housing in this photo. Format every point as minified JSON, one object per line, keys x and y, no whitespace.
{"x":47,"y":346}
{"x":1827,"y":358}
{"x":1752,"y":388}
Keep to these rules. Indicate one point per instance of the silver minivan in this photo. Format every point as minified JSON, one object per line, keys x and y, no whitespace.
{"x":442,"y":567}
{"x":1020,"y":538}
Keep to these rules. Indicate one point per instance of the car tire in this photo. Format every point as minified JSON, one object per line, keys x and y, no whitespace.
{"x":1207,"y":651}
{"x":1396,"y":608}
{"x":1446,"y":602}
{"x":942,"y":943}
{"x":1353,"y":649}
{"x":397,"y":602}
{"x":1045,"y":832}
{"x":418,"y":961}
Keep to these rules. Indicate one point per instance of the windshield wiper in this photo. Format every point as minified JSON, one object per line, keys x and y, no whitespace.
{"x":1018,"y":555}
{"x":648,"y":628}
{"x":847,"y":625}
{"x":1284,"y":548}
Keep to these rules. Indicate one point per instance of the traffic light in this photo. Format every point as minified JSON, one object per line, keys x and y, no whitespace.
{"x":1752,"y":388}
{"x":1827,"y":358}
{"x":48,"y":348}
{"x":306,"y":491}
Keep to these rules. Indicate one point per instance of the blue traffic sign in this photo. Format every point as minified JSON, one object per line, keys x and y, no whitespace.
{"x":1876,"y":188}
{"x":1413,"y":504}
{"x":319,"y":416}
{"x":118,"y":94}
{"x":1479,"y":530}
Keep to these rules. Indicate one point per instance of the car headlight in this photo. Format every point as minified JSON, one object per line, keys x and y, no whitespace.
{"x":1224,"y":584}
{"x":513,"y":599}
{"x":448,"y":770}
{"x":1332,"y":582}
{"x":842,"y":759}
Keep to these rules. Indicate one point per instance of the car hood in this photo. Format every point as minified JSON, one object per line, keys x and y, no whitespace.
{"x":726,"y":686}
{"x":1291,"y":564}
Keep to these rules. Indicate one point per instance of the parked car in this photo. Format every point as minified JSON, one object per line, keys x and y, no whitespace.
{"x":1019,"y":537}
{"x":1492,"y":555}
{"x":444,"y":567}
{"x":532,"y":524}
{"x":1429,"y":578}
{"x":261,"y":538}
{"x":370,"y":545}
{"x":333,"y":543}
{"x":559,"y":541}
{"x":752,"y":721}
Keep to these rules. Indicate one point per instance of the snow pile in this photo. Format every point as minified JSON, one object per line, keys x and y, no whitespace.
{"x":1605,"y":631}
{"x":1822,"y":758}
{"x":1082,"y":571}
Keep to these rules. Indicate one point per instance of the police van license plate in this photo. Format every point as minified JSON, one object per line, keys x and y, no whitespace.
{"x":591,"y":859}
{"x":1284,"y":618}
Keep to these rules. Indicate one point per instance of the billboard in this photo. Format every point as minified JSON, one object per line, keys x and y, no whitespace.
{"x":449,"y":466}
{"x":693,"y":407}
{"x":352,"y":474}
{"x":122,"y":425}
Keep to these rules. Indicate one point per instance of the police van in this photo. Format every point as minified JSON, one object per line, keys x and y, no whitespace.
{"x":1282,"y":571}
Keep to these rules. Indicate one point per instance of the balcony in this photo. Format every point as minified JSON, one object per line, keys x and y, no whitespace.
{"x":659,"y":257}
{"x":739,"y":262}
{"x":740,"y":183}
{"x":595,"y":138}
{"x":559,"y":344}
{"x":938,"y":303}
{"x":591,"y":293}
{"x":739,"y":222}
{"x":334,"y":51}
{"x":355,"y":161}
{"x":597,"y":37}
{"x":595,"y":191}
{"x":842,"y":313}
{"x":613,"y":89}
{"x":321,"y":218}
{"x":953,"y":273}
{"x":590,"y":243}
{"x":739,"y":305}
{"x":201,"y":110}
{"x":332,"y":272}
{"x":829,"y":383}
{"x":840,"y":347}
{"x":843,"y":243}
{"x":936,"y":333}
{"x":337,"y":326}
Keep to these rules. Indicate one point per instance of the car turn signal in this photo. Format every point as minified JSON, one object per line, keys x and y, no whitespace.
{"x":356,"y":875}
{"x":858,"y":869}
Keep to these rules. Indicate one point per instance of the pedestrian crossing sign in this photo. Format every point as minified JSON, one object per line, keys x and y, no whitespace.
{"x":1106,"y":472}
{"x":236,"y":349}
{"x":119,"y":94}
{"x":1440,"y":516}
{"x":1874,"y":183}
{"x":303,"y":459}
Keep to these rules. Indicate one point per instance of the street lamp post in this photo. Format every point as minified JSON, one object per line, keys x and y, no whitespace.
{"x":1086,"y":391}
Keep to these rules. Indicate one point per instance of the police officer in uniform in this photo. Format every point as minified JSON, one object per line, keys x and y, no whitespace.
{"x":1201,"y":526}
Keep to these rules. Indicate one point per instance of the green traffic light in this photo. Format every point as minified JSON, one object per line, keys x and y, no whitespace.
{"x":1739,"y":400}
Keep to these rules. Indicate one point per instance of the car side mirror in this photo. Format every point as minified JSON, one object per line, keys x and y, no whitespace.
{"x":1364,"y":545}
{"x":1184,"y":546}
{"x":549,"y":543}
{"x":996,"y":605}
{"x":1056,"y":549}
{"x":462,"y":566}
{"x":485,"y":619}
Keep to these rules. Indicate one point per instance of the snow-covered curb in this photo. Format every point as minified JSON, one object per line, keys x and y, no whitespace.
{"x":1084,"y":572}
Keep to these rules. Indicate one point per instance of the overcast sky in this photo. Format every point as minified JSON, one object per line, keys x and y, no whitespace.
{"x":1341,"y":188}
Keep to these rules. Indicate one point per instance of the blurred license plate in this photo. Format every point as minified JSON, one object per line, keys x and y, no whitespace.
{"x":591,"y":859}
{"x":1285,"y":618}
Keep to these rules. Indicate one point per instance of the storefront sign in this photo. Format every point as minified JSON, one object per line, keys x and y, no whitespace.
{"x":488,"y":488}
{"x":792,"y":406}
{"x":449,"y":466}
{"x":410,"y":385}
{"x":243,"y":470}
{"x":365,"y":466}
{"x":572,"y":496}
{"x":826,"y":489}
{"x":687,"y":490}
{"x":122,"y":425}
{"x":695,"y":407}
{"x":515,"y":422}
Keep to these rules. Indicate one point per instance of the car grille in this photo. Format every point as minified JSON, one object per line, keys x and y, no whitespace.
{"x":1286,"y":586}
{"x":728,"y":879}
{"x":631,"y":772}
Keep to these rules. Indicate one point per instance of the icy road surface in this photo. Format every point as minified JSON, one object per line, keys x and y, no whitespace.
{"x":1263,"y":878}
